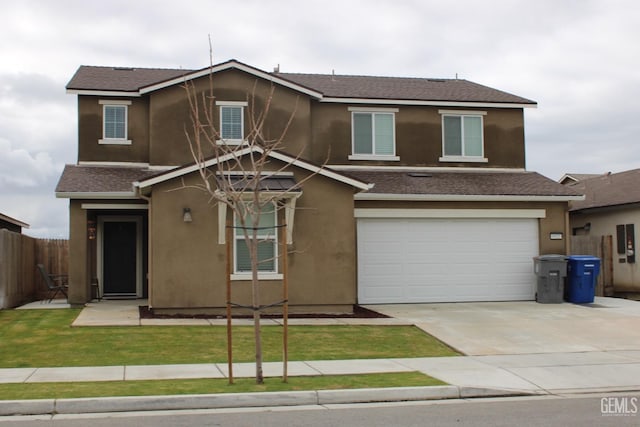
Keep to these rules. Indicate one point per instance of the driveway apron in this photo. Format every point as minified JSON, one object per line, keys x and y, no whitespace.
{"x":526,"y":327}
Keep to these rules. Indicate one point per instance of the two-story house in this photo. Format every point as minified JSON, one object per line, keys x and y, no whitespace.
{"x":424,"y":196}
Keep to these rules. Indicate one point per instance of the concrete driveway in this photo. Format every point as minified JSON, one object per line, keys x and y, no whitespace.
{"x":527,"y":327}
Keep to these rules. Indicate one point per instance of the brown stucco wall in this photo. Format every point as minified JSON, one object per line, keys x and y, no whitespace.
{"x":555,"y":220}
{"x":188,"y":267}
{"x":418,"y":136}
{"x":170,"y":113}
{"x":90,"y":131}
{"x":78,"y":254}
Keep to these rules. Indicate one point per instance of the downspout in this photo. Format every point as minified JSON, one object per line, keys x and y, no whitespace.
{"x":149,"y":245}
{"x":567,"y":233}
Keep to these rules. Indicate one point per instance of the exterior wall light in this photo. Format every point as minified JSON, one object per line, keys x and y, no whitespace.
{"x":186,"y":215}
{"x":91,"y":229}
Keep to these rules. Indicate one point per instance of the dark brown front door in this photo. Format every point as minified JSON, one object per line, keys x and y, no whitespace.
{"x":120,"y":258}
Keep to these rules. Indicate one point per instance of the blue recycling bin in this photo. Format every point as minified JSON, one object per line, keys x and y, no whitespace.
{"x":582,"y":272}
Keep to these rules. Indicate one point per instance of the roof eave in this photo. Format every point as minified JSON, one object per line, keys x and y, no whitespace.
{"x":320,"y":170}
{"x":98,"y":92}
{"x":106,"y":195}
{"x":14,"y":221}
{"x":474,"y":104}
{"x":607,"y":207}
{"x":464,"y":197}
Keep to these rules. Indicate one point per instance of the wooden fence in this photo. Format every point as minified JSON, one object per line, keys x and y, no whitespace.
{"x":20,"y":282}
{"x":602,"y":247}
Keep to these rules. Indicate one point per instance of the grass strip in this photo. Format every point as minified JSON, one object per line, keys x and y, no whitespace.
{"x":45,"y":338}
{"x":209,"y":386}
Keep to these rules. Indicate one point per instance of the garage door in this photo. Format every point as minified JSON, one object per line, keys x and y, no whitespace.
{"x":446,"y":260}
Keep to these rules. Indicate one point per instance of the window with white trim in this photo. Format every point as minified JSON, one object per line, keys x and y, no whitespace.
{"x":267,"y":243}
{"x":373,"y":134}
{"x":462,"y":136}
{"x":231,"y":121}
{"x":115,"y":122}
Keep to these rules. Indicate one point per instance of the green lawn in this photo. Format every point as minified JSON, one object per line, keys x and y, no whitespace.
{"x":207,"y":386}
{"x":45,"y":338}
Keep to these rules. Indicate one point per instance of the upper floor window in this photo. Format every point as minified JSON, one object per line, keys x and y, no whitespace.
{"x":231,"y":121}
{"x":462,"y":136}
{"x":114,"y":122}
{"x":373,"y":133}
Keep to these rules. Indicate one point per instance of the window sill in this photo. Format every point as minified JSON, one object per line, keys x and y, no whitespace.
{"x":231,"y":141}
{"x":114,"y":141}
{"x":261,"y":276}
{"x":464,"y":159}
{"x":373,"y":157}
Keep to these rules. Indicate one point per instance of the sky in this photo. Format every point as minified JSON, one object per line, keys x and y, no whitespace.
{"x":579,"y":60}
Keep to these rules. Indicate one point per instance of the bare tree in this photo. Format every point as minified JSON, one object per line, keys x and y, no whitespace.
{"x":238,"y":178}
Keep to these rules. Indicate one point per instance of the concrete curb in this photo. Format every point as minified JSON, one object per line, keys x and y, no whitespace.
{"x":244,"y":400}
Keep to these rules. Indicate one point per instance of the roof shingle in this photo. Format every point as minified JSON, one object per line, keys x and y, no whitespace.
{"x":100,"y":179}
{"x":402,"y":88}
{"x":124,"y":79}
{"x":121,"y":79}
{"x":608,"y":190}
{"x":464,"y":183}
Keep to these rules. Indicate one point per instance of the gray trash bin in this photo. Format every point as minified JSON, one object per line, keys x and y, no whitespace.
{"x":551,"y":271}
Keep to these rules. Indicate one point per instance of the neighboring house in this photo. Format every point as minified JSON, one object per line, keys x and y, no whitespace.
{"x":425,"y":197}
{"x":612,"y":208}
{"x":12,"y":224}
{"x":572,"y":178}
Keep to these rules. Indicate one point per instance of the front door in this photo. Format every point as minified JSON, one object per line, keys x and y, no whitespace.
{"x":121,"y":263}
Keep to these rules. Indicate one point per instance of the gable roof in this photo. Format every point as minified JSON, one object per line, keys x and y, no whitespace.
{"x":278,"y":155}
{"x":612,"y":189}
{"x":125,"y":81}
{"x":463,"y":185}
{"x":570,"y":178}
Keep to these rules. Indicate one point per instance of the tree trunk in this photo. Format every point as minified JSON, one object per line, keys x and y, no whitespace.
{"x":255,"y":299}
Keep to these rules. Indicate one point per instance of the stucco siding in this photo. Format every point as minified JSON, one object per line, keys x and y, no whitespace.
{"x":626,"y":276}
{"x":188,"y":265}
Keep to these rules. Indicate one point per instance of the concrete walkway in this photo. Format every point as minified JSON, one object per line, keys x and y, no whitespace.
{"x":534,"y":373}
{"x":542,"y":369}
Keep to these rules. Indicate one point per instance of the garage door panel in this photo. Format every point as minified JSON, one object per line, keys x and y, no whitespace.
{"x":437,"y":260}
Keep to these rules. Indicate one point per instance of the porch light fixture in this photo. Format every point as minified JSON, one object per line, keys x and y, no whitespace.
{"x":91,"y":229}
{"x":186,"y":215}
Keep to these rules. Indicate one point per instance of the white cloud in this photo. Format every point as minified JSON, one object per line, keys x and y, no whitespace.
{"x":577,"y":59}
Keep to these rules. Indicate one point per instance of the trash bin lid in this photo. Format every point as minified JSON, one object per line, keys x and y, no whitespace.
{"x":551,"y":257}
{"x":583,"y":258}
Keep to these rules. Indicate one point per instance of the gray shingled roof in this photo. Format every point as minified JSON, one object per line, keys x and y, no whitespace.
{"x":120,"y":79}
{"x":474,"y":183}
{"x":106,"y":179}
{"x":608,"y":190}
{"x":100,"y":179}
{"x":404,"y":88}
{"x":334,"y":86}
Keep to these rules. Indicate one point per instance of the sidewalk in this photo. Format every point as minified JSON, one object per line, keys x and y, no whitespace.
{"x":468,"y":376}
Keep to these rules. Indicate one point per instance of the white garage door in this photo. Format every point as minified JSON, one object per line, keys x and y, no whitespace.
{"x":446,"y":260}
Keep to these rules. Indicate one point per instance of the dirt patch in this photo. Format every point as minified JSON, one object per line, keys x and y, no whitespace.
{"x":358,"y":313}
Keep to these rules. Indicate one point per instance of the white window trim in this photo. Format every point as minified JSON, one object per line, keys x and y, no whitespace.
{"x":115,"y":103}
{"x":385,"y":157}
{"x":243,"y":105}
{"x":463,"y":113}
{"x":373,"y":155}
{"x":465,"y":159}
{"x":262,"y":275}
